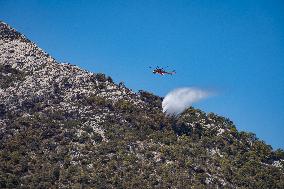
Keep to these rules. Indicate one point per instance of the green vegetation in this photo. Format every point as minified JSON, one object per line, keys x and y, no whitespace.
{"x":149,"y":150}
{"x":9,"y":75}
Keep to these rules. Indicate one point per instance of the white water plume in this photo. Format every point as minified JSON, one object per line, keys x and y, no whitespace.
{"x":179,"y":99}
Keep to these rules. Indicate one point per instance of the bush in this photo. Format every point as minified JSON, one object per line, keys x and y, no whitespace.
{"x":125,"y":106}
{"x":97,"y":100}
{"x":150,"y":98}
{"x":9,"y":75}
{"x":101,"y":77}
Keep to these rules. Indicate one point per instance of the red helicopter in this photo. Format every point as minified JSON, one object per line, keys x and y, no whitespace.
{"x":162,"y":71}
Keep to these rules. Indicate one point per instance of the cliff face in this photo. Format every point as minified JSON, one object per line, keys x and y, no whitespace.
{"x":61,"y":126}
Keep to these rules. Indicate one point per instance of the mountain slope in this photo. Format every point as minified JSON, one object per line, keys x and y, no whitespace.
{"x":64,"y":127}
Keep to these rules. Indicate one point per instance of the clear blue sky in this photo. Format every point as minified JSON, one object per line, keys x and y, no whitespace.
{"x":233,"y":47}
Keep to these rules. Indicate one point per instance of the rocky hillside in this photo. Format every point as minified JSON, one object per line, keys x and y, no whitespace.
{"x":65,"y":127}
